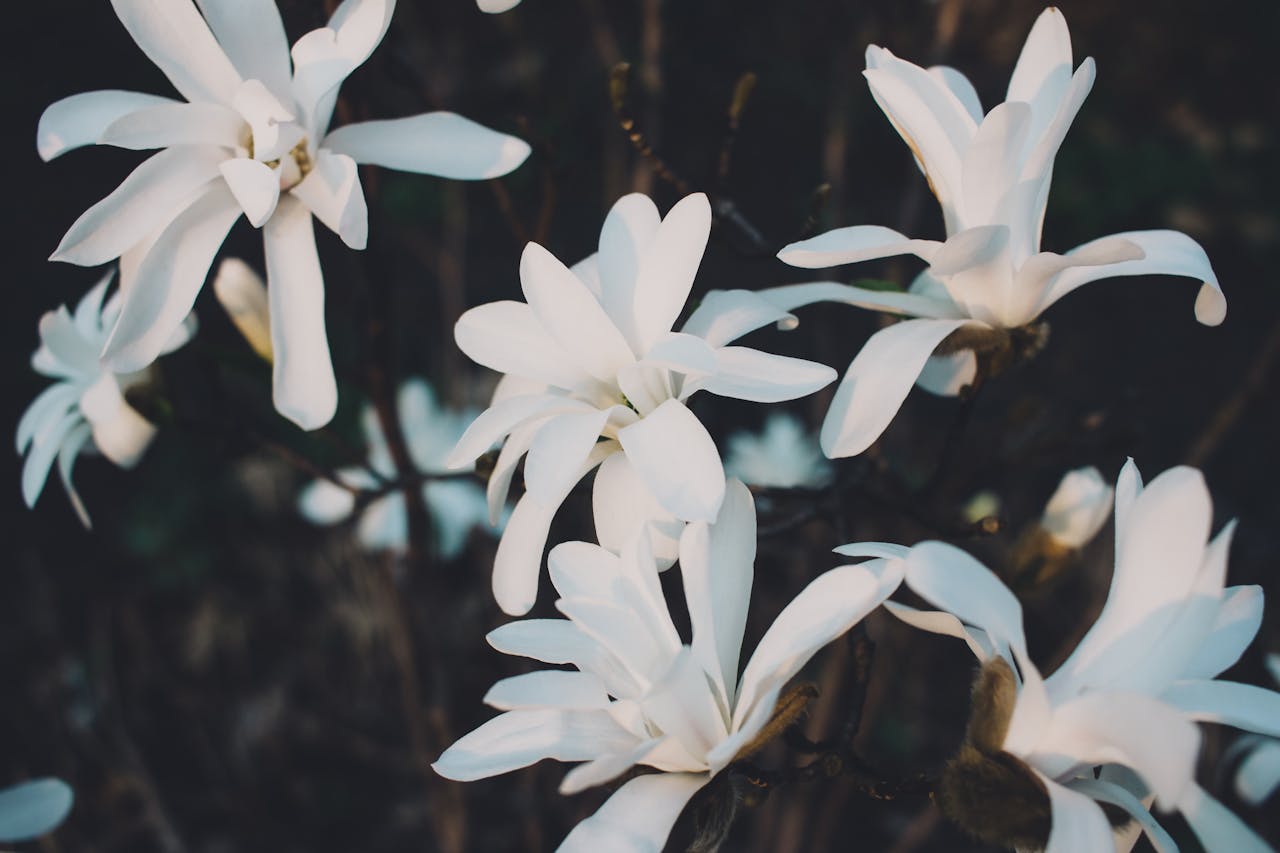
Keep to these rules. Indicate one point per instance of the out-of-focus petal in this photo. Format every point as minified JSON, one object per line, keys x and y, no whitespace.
{"x":119,"y":431}
{"x":243,"y":294}
{"x":32,"y":809}
{"x":1216,"y":826}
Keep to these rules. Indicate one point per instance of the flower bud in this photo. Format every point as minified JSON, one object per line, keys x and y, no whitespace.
{"x":244,"y":296}
{"x":1078,"y":508}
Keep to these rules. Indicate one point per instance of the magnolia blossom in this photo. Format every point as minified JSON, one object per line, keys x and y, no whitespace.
{"x":1078,"y":508}
{"x":86,"y":407}
{"x":1258,"y":775}
{"x":640,"y":695}
{"x":991,"y":176}
{"x":1129,"y":694}
{"x":595,"y":375}
{"x":252,"y":139}
{"x":783,"y":455}
{"x":456,"y":505}
{"x":33,"y":809}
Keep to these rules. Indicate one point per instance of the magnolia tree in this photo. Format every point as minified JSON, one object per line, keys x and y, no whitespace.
{"x":673,"y":647}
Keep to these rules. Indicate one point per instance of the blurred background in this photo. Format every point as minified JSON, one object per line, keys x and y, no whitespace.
{"x":212,"y":673}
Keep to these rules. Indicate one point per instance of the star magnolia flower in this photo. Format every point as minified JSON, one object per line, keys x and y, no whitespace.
{"x":991,"y":176}
{"x":253,"y":139}
{"x":1127,"y":697}
{"x":640,"y":695}
{"x":784,"y":455}
{"x":1078,"y":508}
{"x":33,"y":809}
{"x":591,"y":356}
{"x":456,"y":505}
{"x":1258,"y":775}
{"x":86,"y":407}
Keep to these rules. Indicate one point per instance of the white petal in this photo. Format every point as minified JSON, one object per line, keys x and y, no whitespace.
{"x":939,"y":622}
{"x":1047,"y":48}
{"x":171,"y":123}
{"x":961,"y":88}
{"x":726,"y":315}
{"x":884,"y":550}
{"x":32,"y":809}
{"x":503,"y":417}
{"x":64,"y":350}
{"x":323,"y":58}
{"x":975,"y":267}
{"x":748,"y":374}
{"x":178,"y":41}
{"x":167,"y":281}
{"x":557,"y":641}
{"x":717,"y":566}
{"x":1078,"y":823}
{"x":243,"y":294}
{"x":570,"y":313}
{"x":323,"y":502}
{"x":1244,"y":706}
{"x":149,"y":199}
{"x":1237,"y":622}
{"x":605,"y":768}
{"x":853,"y":244}
{"x":830,"y":605}
{"x":626,"y":236}
{"x":1109,"y":792}
{"x":80,"y":119}
{"x":67,"y":455}
{"x":989,"y":169}
{"x":625,"y":633}
{"x":441,"y":143}
{"x":681,"y":705}
{"x":44,"y":449}
{"x":384,"y":524}
{"x":303,"y":385}
{"x":792,"y":296}
{"x":877,"y":382}
{"x":549,"y":688}
{"x":669,"y":267}
{"x":1215,"y":825}
{"x":494,"y":7}
{"x":252,"y":35}
{"x":332,"y":191}
{"x":638,"y":817}
{"x":255,"y":186}
{"x":559,"y":449}
{"x":682,"y":353}
{"x":1078,"y":507}
{"x":1166,"y":253}
{"x":504,"y":469}
{"x":950,"y":579}
{"x":622,"y":505}
{"x":1259,"y":774}
{"x":47,"y":410}
{"x":119,"y":431}
{"x":677,"y":460}
{"x":507,"y":337}
{"x":520,"y":738}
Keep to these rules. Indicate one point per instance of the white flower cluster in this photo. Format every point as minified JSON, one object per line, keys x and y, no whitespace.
{"x":599,"y":375}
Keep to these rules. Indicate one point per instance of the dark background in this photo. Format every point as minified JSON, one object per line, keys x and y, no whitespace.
{"x":210,"y":673}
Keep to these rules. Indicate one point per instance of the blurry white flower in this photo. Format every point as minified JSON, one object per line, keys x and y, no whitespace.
{"x":783,"y":455}
{"x":991,"y":176}
{"x":456,"y":504}
{"x":594,"y":373}
{"x":640,"y":695}
{"x":1129,"y":694}
{"x":1078,"y":508}
{"x":493,"y":7}
{"x":1258,"y":775}
{"x":86,"y":407}
{"x":252,"y":138}
{"x":33,"y":809}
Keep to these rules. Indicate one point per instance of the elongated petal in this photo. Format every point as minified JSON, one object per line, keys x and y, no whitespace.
{"x":717,"y":566}
{"x":252,"y":35}
{"x":552,"y":688}
{"x":32,"y":809}
{"x":1245,"y":706}
{"x":559,"y":449}
{"x":950,"y":579}
{"x":854,"y":244}
{"x":625,"y":238}
{"x":64,"y":351}
{"x":303,"y":385}
{"x":333,"y":193}
{"x":877,"y":382}
{"x":178,"y":41}
{"x":1237,"y":622}
{"x":621,"y":505}
{"x":748,"y":374}
{"x":682,"y":353}
{"x":45,"y":412}
{"x":638,"y":817}
{"x":442,"y":143}
{"x":44,"y":449}
{"x":1166,"y":253}
{"x":1078,"y":824}
{"x":504,"y":469}
{"x":171,"y":123}
{"x":680,"y":705}
{"x":792,"y":296}
{"x":1216,"y":826}
{"x":503,"y":417}
{"x":506,"y":336}
{"x":149,"y":199}
{"x":961,"y":88}
{"x":625,"y":633}
{"x":975,"y":267}
{"x":557,"y":641}
{"x":605,"y":768}
{"x":520,"y":738}
{"x":119,"y":431}
{"x":669,"y":267}
{"x":939,"y":622}
{"x":1109,"y":792}
{"x":570,"y":313}
{"x":989,"y":167}
{"x":255,"y":186}
{"x":1047,"y":48}
{"x":677,"y":460}
{"x":830,"y":605}
{"x":80,"y":119}
{"x":724,"y":316}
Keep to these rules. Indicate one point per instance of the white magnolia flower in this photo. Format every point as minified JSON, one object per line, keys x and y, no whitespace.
{"x":1129,"y":694}
{"x":595,"y":375}
{"x":86,"y":407}
{"x":1078,"y":508}
{"x":33,"y":809}
{"x":1258,"y":775}
{"x":991,"y":176}
{"x":456,"y":505}
{"x":638,"y":694}
{"x":251,"y":139}
{"x":783,"y":455}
